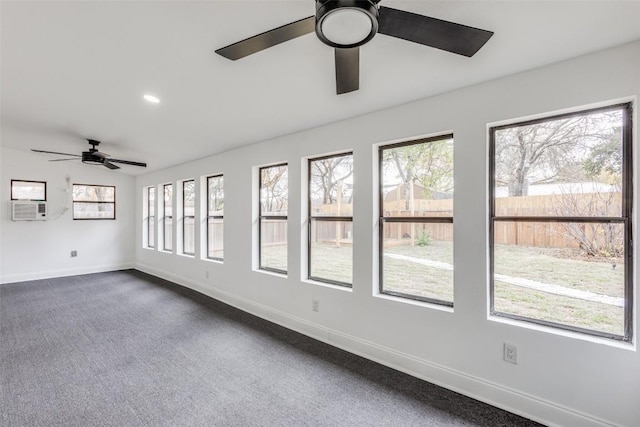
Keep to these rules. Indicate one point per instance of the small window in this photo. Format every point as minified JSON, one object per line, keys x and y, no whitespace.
{"x":167,"y":217}
{"x":151,"y":217}
{"x":188,"y":217}
{"x":416,"y":220}
{"x":560,"y":229}
{"x":28,"y":190}
{"x":94,"y":201}
{"x":274,"y":201}
{"x":215,"y":217}
{"x":330,"y":238}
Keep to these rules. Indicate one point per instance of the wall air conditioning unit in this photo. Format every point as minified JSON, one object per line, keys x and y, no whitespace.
{"x":27,"y":210}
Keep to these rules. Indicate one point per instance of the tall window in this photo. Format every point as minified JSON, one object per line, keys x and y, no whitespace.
{"x":188,"y":217}
{"x":561,"y":209}
{"x":274,"y":201}
{"x":151,"y":217}
{"x":215,"y":217}
{"x":331,"y":219}
{"x":416,"y":220}
{"x":167,"y":217}
{"x":94,"y":201}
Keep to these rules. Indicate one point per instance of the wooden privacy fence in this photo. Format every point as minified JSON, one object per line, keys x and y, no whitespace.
{"x":541,"y":234}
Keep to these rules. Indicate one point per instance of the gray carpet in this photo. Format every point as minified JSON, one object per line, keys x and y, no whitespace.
{"x":128,"y":349}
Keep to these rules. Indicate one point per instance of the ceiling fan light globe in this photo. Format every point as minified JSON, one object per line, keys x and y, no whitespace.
{"x":346,"y":24}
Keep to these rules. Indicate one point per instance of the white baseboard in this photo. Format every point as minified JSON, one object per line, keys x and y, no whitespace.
{"x":511,"y":400}
{"x":49,"y":274}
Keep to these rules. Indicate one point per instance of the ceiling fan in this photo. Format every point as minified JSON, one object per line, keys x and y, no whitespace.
{"x":346,"y":25}
{"x":93,"y":157}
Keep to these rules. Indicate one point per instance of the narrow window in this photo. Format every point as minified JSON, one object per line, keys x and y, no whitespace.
{"x":560,"y":229}
{"x":274,"y":201}
{"x":28,"y":190}
{"x":167,"y":218}
{"x":215,"y":217}
{"x":151,"y":217}
{"x":331,"y":219}
{"x":94,"y":201}
{"x":188,"y":217}
{"x":416,"y":220}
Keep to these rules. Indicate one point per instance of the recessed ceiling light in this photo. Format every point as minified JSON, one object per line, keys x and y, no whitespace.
{"x":151,"y":98}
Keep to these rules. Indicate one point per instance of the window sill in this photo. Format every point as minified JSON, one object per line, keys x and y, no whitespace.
{"x":623,"y":345}
{"x":329,"y":285}
{"x":271,"y":273}
{"x":417,"y":303}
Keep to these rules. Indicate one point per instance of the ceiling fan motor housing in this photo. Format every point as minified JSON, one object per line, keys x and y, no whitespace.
{"x":90,"y":158}
{"x":346,"y":23}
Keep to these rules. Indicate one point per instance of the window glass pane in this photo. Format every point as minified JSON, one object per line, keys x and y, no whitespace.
{"x":417,"y":179}
{"x":151,"y":217}
{"x":189,"y":235}
{"x":560,"y":167}
{"x":188,"y":198}
{"x":26,"y":190}
{"x":82,"y":210}
{"x":167,"y":229}
{"x":331,"y":186}
{"x":417,"y":260}
{"x":168,"y":200}
{"x":566,"y":272}
{"x":274,"y":188}
{"x":93,"y":193}
{"x":151,"y":233}
{"x":331,"y":254}
{"x":215,"y":196}
{"x":151,"y":198}
{"x":167,"y":223}
{"x":273,"y":244}
{"x":215,"y":238}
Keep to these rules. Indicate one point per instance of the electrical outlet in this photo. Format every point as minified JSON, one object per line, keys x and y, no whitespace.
{"x":510,"y":353}
{"x":315,"y":305}
{"x":206,"y":274}
{"x":74,"y":254}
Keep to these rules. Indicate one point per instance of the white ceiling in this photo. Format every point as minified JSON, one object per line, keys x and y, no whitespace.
{"x":78,"y":69}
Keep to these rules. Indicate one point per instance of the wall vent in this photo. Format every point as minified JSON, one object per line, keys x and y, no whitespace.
{"x":27,"y":210}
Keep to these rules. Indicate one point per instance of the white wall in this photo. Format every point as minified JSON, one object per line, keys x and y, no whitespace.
{"x":41,"y":249}
{"x":561,"y":379}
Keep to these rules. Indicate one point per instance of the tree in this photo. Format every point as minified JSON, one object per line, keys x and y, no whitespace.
{"x":547,"y":151}
{"x":330,"y":175}
{"x":274,"y":188}
{"x":429,"y":164}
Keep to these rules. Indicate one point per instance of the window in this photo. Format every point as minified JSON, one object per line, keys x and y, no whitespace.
{"x":215,"y":217}
{"x":167,"y":218}
{"x":94,"y":201}
{"x":331,"y":219}
{"x":151,"y":217}
{"x":188,"y":217}
{"x":28,"y":190}
{"x":274,"y":195}
{"x":416,"y":220}
{"x":560,"y":228}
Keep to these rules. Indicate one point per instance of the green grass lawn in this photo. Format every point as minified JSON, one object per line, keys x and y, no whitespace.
{"x":560,"y":267}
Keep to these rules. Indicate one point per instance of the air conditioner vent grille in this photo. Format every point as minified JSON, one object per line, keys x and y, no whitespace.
{"x":23,"y":210}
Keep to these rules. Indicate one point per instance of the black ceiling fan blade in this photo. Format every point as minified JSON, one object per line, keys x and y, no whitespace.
{"x":433,"y":32}
{"x":268,"y":39}
{"x":55,"y":152}
{"x":110,"y":165}
{"x":125,"y":162}
{"x":61,"y":160}
{"x":347,"y":70}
